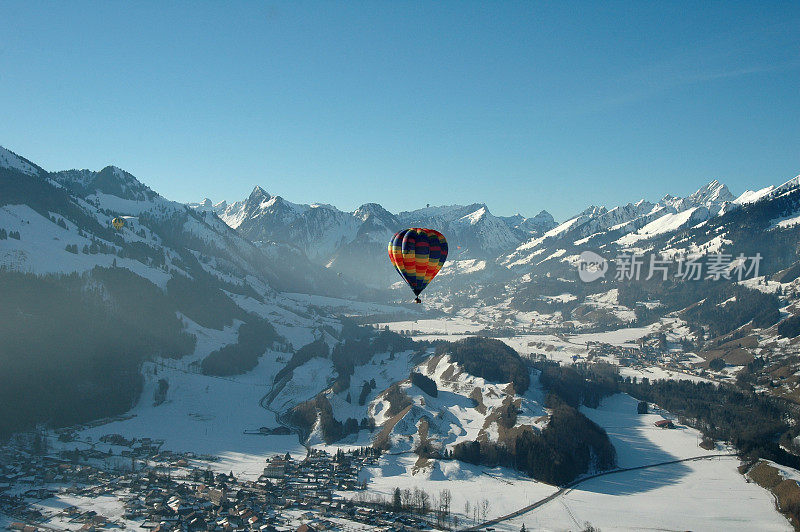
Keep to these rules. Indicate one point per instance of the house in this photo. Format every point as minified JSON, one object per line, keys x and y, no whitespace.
{"x":665,"y":424}
{"x":276,"y":468}
{"x":306,"y":528}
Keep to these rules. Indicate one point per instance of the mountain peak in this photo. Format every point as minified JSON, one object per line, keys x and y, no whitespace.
{"x":259,"y":192}
{"x":371,"y":209}
{"x":477,"y":215}
{"x":111,"y":180}
{"x":788,"y":185}
{"x":257,"y":198}
{"x":714,"y":191}
{"x":9,"y":159}
{"x":544,"y":215}
{"x":593,"y":210}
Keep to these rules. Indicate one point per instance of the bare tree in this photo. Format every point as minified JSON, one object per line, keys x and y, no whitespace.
{"x":416,"y":499}
{"x":445,"y":498}
{"x":426,"y":503}
{"x":407,"y":498}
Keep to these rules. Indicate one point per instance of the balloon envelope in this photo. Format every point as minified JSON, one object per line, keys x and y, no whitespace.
{"x":118,"y":223}
{"x":418,"y":254}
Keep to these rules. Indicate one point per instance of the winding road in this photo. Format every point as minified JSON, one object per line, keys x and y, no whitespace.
{"x":569,"y":487}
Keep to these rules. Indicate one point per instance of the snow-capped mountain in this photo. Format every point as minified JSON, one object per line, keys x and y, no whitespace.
{"x":483,"y":246}
{"x":627,"y":224}
{"x":353,"y":243}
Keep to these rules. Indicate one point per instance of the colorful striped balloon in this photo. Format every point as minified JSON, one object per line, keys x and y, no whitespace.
{"x":418,"y":254}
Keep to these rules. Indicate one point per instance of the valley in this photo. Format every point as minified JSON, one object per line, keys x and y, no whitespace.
{"x":180,"y":358}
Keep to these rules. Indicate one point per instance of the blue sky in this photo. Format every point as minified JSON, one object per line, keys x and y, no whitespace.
{"x":523,"y":106}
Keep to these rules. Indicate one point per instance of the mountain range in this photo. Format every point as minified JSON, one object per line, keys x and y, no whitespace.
{"x":319,"y":248}
{"x":352,"y":243}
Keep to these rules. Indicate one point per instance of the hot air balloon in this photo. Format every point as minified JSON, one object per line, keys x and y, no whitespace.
{"x":118,"y":223}
{"x":418,"y":254}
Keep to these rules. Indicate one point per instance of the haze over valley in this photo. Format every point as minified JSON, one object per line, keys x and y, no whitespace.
{"x":213,"y":337}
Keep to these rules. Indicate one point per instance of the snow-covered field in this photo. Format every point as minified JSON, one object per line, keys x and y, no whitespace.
{"x":698,"y":495}
{"x":706,"y":495}
{"x":505,"y":490}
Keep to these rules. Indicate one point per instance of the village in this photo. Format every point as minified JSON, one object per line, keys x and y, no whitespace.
{"x":163,"y":491}
{"x":651,"y":351}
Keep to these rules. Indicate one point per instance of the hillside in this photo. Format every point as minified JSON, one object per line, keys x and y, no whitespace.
{"x":74,"y":284}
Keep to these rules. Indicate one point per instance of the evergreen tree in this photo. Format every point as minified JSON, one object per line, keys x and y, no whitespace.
{"x":397,"y":501}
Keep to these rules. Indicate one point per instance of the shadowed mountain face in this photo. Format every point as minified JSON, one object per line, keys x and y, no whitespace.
{"x":88,"y":302}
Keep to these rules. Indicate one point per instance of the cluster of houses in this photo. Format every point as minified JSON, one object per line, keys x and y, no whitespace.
{"x":628,"y":356}
{"x":26,"y":477}
{"x":163,"y":491}
{"x":651,"y":351}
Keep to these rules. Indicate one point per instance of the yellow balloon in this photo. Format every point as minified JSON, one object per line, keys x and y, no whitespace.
{"x":118,"y":223}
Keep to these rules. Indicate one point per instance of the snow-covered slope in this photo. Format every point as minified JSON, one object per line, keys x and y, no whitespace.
{"x":59,"y":210}
{"x":629,"y":223}
{"x":11,"y":160}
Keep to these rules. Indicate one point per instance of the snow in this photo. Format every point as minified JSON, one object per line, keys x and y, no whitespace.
{"x":385,"y":369}
{"x":109,"y":506}
{"x":307,"y":381}
{"x":557,"y":253}
{"x":699,"y":495}
{"x":126,"y":206}
{"x":787,"y":186}
{"x":41,"y":248}
{"x":664,"y":224}
{"x":452,"y":419}
{"x":787,"y":222}
{"x":505,"y":489}
{"x":445,"y":326}
{"x":562,"y":228}
{"x":15,"y":162}
{"x":611,"y":297}
{"x":475,"y":217}
{"x":752,"y":196}
{"x":458,"y":267}
{"x":207,"y":414}
{"x":561,"y":298}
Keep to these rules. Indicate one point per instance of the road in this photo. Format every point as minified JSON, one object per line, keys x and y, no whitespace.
{"x":266,"y":403}
{"x":569,"y":487}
